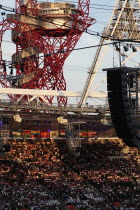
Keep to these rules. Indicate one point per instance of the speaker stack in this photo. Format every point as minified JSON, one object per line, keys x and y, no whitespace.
{"x":122,"y":108}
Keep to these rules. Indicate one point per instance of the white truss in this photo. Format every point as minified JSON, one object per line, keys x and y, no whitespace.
{"x":123,"y":24}
{"x":41,"y":93}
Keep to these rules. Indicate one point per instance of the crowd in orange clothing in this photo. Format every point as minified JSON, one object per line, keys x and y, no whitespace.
{"x":46,"y":175}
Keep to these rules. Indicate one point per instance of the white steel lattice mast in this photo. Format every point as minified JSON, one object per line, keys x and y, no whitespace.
{"x":124,"y":24}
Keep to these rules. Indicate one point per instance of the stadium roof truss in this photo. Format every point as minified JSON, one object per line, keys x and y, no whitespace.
{"x":123,"y":25}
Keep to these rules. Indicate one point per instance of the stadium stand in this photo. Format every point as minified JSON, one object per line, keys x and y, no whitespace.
{"x":41,"y":174}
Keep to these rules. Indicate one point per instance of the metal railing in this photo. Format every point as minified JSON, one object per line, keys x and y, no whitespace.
{"x":35,"y":105}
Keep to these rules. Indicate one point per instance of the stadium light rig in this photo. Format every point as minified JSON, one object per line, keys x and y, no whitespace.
{"x":43,"y":28}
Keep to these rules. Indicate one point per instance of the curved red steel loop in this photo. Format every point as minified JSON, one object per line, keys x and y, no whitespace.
{"x":55,"y":44}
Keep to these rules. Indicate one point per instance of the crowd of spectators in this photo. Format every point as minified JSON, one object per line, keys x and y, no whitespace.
{"x":111,"y":168}
{"x":46,"y":175}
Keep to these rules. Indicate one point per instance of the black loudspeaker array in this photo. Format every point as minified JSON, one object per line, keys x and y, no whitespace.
{"x":121,"y":107}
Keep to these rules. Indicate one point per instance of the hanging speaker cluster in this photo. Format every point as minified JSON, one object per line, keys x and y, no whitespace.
{"x":121,"y":102}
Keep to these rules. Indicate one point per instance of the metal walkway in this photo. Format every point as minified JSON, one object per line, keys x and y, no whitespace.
{"x":42,"y":107}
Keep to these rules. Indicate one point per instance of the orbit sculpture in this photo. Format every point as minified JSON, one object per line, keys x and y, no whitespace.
{"x":44,"y":35}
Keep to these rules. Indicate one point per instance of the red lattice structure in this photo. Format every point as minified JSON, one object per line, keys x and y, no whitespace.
{"x":44,"y":35}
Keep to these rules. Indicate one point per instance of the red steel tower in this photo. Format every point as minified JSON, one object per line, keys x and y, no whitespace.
{"x":44,"y":35}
